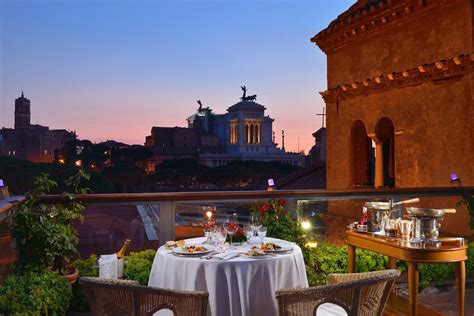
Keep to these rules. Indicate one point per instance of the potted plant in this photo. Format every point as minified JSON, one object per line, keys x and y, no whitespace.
{"x":45,"y":234}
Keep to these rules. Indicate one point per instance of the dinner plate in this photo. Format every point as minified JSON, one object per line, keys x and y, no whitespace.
{"x":255,"y":257}
{"x":285,"y":247}
{"x":180,"y":251}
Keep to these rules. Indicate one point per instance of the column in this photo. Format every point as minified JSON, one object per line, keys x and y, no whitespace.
{"x":251,"y":133}
{"x":247,"y":134}
{"x":378,"y":161}
{"x":258,"y":133}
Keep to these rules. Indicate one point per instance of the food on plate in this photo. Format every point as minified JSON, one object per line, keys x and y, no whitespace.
{"x":180,"y":243}
{"x":170,"y":244}
{"x":255,"y":251}
{"x":269,"y":246}
{"x":193,"y":249}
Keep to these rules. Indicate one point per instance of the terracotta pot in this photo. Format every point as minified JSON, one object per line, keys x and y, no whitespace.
{"x":71,"y":278}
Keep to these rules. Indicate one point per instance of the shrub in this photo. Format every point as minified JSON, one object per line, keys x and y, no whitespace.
{"x":138,"y":265}
{"x":34,"y":293}
{"x":329,"y":258}
{"x":88,"y":268}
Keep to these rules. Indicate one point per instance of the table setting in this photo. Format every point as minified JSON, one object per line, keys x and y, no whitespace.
{"x":240,"y":276}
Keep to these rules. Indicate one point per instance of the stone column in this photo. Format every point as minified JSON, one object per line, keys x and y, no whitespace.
{"x":251,"y":133}
{"x":378,"y":160}
{"x":258,"y":133}
{"x":247,"y":134}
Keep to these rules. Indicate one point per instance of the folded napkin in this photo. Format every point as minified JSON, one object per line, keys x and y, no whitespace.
{"x":226,"y":255}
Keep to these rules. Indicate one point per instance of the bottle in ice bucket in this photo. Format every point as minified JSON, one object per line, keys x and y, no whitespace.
{"x":121,"y":252}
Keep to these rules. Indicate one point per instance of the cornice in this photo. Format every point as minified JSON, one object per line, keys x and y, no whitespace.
{"x":436,"y":72}
{"x":367,"y":21}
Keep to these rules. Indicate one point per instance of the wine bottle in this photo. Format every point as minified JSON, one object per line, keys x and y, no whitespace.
{"x":121,"y":252}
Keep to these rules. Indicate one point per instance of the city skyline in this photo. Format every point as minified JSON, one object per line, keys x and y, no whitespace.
{"x":112,"y":70}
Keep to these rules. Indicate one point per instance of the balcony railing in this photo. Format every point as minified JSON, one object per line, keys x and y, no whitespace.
{"x":149,"y":219}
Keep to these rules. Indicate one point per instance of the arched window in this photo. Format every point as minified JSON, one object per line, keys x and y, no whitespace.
{"x":361,"y":155}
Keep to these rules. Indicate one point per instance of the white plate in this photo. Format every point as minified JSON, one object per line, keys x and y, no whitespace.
{"x":255,"y":257}
{"x":285,"y":247}
{"x":180,"y":251}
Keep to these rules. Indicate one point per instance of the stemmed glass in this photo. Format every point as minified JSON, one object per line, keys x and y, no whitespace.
{"x":262,"y":232}
{"x":255,"y":222}
{"x":219,"y":234}
{"x":249,"y":232}
{"x":231,"y":226}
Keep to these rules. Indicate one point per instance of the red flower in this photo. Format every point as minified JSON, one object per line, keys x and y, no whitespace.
{"x":264,"y":208}
{"x":282,"y":202}
{"x":238,"y":233}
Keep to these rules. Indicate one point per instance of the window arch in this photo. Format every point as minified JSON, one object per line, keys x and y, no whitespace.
{"x":362,"y":156}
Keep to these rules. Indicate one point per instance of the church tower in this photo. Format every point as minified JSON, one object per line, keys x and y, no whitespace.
{"x":22,"y":112}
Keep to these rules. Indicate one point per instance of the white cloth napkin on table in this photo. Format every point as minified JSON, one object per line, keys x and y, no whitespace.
{"x":227,"y":255}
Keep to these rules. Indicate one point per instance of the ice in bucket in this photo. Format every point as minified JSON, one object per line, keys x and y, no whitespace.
{"x":110,"y":267}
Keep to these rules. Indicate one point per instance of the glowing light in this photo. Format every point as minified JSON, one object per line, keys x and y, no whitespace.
{"x":61,"y":161}
{"x":305,"y":224}
{"x":312,"y":244}
{"x":78,"y":163}
{"x":209,"y":214}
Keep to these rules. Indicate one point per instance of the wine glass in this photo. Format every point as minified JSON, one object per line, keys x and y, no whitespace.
{"x":249,"y":232}
{"x":220,"y":235}
{"x":231,"y":226}
{"x":262,"y":232}
{"x":255,"y":222}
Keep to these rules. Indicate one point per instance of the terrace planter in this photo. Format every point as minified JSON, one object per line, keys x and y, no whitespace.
{"x":71,"y":277}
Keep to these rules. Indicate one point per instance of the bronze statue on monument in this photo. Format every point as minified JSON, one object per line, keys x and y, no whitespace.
{"x":245,"y":97}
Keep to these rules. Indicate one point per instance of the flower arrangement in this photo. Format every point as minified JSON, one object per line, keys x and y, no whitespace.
{"x":278,"y":222}
{"x":238,"y":235}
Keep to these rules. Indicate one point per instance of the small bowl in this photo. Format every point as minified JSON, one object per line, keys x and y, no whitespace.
{"x":362,"y":227}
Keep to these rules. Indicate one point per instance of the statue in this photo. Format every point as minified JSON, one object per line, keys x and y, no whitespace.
{"x":202,"y":109}
{"x":245,"y":97}
{"x":244,"y":89}
{"x":200,"y":106}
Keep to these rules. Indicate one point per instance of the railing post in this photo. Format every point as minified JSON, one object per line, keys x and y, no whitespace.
{"x":167,"y":221}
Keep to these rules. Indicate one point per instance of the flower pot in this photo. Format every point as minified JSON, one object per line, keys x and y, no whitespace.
{"x":71,"y":275}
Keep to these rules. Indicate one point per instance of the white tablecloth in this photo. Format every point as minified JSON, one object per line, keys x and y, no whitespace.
{"x":239,"y":286}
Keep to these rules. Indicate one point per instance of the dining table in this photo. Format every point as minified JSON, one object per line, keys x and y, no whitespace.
{"x":237,"y":284}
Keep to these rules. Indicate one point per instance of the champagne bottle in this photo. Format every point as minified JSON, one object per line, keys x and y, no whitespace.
{"x":121,"y":252}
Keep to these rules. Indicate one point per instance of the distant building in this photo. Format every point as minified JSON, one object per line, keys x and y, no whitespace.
{"x":36,"y":143}
{"x":243,"y":133}
{"x":313,"y":176}
{"x":318,"y":151}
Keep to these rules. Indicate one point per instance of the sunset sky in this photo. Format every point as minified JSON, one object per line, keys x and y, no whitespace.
{"x":113,"y":69}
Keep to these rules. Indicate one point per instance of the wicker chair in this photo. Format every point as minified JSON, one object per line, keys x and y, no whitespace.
{"x":121,"y":297}
{"x":357,"y":293}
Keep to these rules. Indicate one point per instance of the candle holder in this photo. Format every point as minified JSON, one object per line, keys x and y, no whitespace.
{"x":209,"y":223}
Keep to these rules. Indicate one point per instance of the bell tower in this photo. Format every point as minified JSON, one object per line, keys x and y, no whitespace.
{"x":22,"y":112}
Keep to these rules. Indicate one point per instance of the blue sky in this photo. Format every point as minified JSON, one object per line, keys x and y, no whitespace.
{"x":113,"y":69}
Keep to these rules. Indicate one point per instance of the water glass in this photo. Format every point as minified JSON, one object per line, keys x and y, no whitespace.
{"x":255,"y":222}
{"x":262,"y":232}
{"x":220,"y":235}
{"x":249,"y":232}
